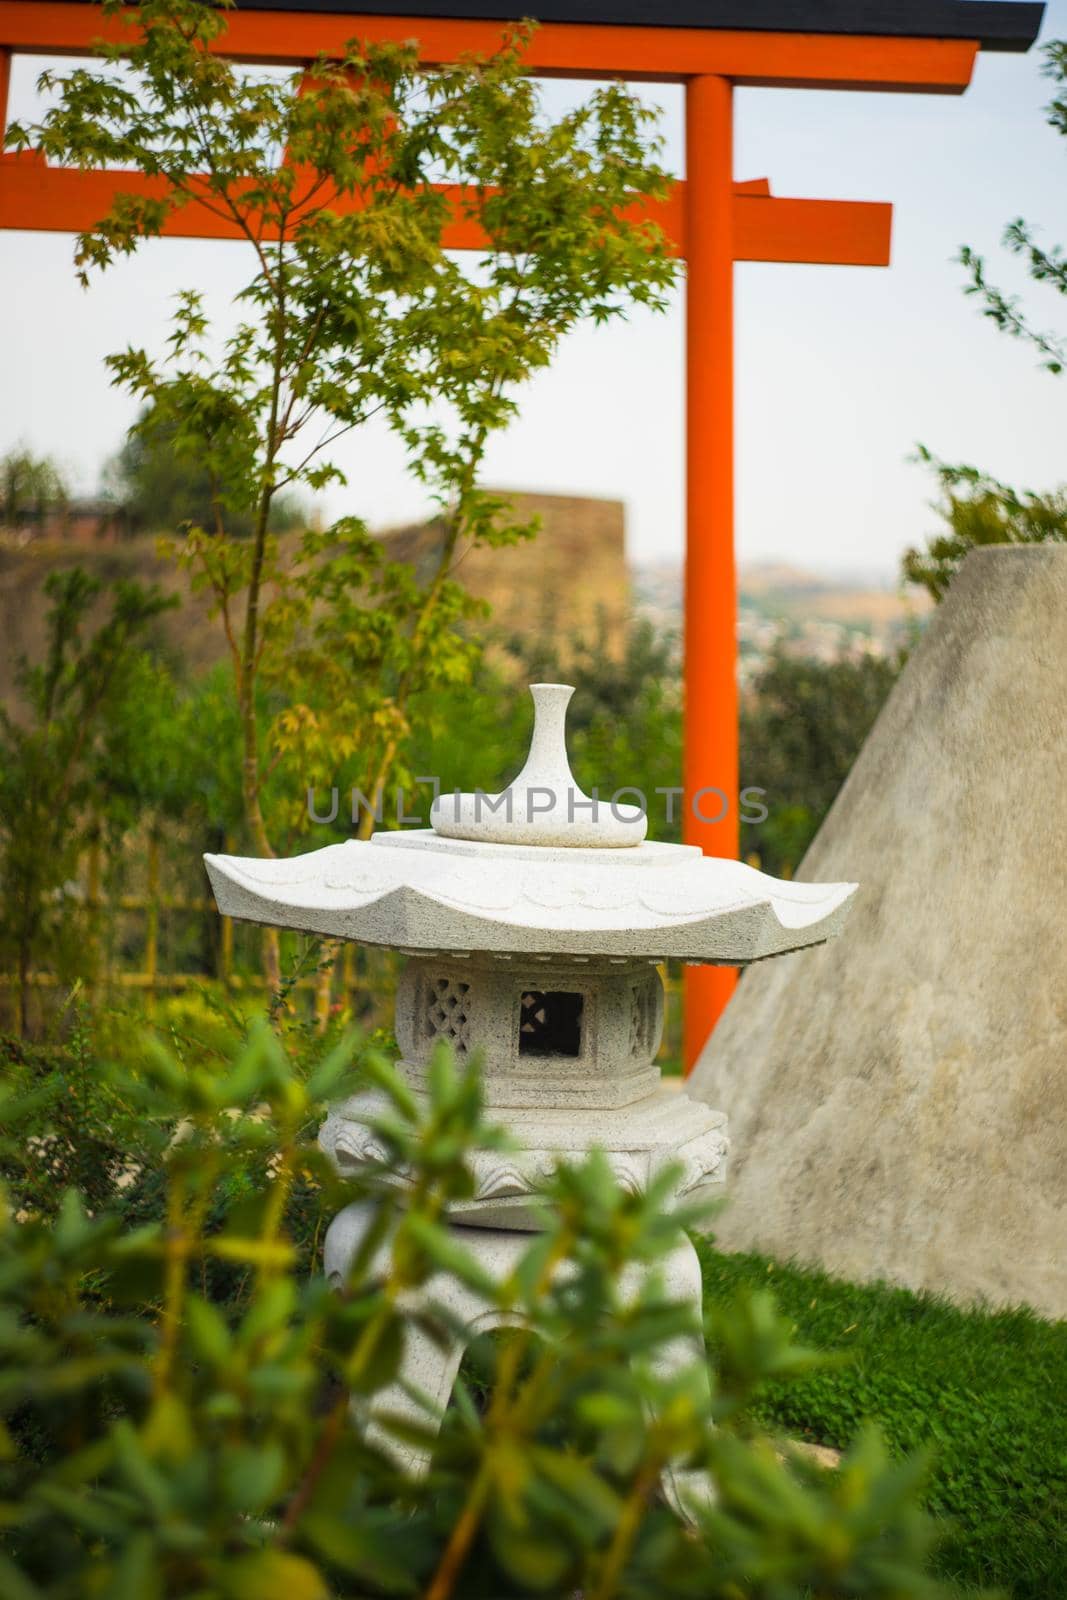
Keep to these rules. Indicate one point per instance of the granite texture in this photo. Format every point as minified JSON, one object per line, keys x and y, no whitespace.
{"x":597,"y":1087}
{"x":898,"y":1101}
{"x":429,"y":1366}
{"x":543,"y":883}
{"x":532,"y":941}
{"x":418,"y":892}
{"x":543,"y":805}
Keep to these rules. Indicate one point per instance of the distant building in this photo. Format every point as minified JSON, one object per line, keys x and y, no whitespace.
{"x":83,"y":521}
{"x":571,"y":579}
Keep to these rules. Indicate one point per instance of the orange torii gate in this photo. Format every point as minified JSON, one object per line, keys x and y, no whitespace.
{"x":709,"y":46}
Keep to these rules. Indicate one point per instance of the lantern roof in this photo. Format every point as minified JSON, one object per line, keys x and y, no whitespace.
{"x":550,"y":872}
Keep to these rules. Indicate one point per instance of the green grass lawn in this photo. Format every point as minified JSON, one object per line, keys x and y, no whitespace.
{"x":985,"y":1392}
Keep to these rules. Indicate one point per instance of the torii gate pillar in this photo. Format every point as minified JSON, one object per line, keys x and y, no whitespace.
{"x":711,"y":710}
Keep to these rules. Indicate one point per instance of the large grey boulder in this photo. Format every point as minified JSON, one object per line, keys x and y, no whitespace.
{"x":898,"y":1098}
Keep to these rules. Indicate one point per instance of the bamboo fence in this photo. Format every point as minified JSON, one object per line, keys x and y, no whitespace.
{"x":342,"y":983}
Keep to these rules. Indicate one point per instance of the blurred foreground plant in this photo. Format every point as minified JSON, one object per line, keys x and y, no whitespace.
{"x":161,"y":1440}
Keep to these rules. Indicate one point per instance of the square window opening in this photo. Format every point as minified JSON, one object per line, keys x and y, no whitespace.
{"x":550,"y":1023}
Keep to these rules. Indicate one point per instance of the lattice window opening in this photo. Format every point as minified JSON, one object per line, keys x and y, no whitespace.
{"x":636,"y":1021}
{"x":447,"y":1013}
{"x":642,"y":1019}
{"x":550,"y":1023}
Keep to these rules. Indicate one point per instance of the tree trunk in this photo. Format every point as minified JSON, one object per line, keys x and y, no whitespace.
{"x":329,"y":962}
{"x":271,"y":952}
{"x":270,"y":948}
{"x":22,"y":1019}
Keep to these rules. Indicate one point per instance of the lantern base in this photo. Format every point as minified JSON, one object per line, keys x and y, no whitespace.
{"x":421,"y":1389}
{"x":664,"y":1128}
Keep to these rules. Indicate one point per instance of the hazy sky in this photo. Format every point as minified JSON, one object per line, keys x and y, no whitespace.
{"x":841,"y":370}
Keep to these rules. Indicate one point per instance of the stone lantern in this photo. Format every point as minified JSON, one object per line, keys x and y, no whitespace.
{"x":533,"y":924}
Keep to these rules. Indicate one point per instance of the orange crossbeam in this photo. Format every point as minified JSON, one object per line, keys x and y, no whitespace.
{"x":832,"y":232}
{"x":841,"y":233}
{"x":797,"y":60}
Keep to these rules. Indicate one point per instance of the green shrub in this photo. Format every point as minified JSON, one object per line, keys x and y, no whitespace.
{"x":176,"y":1385}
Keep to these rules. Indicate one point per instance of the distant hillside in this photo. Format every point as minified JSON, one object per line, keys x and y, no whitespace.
{"x":805,"y":612}
{"x":551,"y":587}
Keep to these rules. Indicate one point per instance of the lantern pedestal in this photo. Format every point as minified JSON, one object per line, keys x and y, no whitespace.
{"x":429,"y":1366}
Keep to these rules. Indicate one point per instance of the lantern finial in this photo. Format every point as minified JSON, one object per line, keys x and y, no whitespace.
{"x":544,"y":805}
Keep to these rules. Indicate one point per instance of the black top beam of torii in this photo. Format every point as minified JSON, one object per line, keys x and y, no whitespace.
{"x":994,"y":24}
